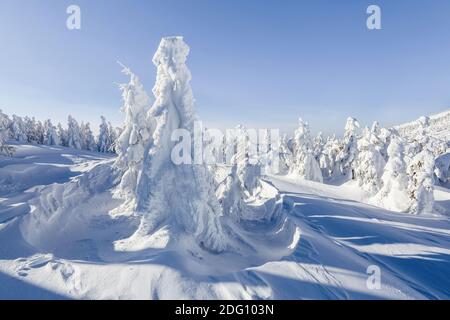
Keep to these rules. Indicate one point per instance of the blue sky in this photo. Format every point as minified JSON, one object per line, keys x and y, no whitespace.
{"x":263,"y":63}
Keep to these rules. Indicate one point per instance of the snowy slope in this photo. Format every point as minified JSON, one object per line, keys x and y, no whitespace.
{"x":318,"y":248}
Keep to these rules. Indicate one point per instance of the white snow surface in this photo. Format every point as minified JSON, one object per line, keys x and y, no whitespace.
{"x":59,"y":240}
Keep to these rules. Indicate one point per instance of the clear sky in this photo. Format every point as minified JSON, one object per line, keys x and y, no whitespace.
{"x":263,"y":63}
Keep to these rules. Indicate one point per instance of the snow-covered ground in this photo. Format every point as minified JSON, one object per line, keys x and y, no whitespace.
{"x":60,"y":238}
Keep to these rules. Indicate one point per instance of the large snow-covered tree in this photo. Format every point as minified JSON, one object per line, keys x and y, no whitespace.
{"x":196,"y":210}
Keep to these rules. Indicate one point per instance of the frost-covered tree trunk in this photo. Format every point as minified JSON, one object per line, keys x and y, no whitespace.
{"x":349,"y":149}
{"x":394,"y":195}
{"x":74,"y":139}
{"x":369,"y":164}
{"x":51,"y":137}
{"x":5,"y":123}
{"x":134,"y":139}
{"x":420,"y":186}
{"x":196,"y":210}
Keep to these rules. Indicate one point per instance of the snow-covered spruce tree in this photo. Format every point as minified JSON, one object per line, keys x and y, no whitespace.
{"x":30,"y":128}
{"x":5,"y":124}
{"x":242,"y":184}
{"x":62,"y":135}
{"x":18,"y":129}
{"x":196,"y":210}
{"x":369,"y":164}
{"x":420,"y":139}
{"x":349,"y":149}
{"x":103,"y":141}
{"x":39,"y":132}
{"x":51,"y":137}
{"x":248,"y":166}
{"x":377,"y":138}
{"x":305,"y":165}
{"x":318,"y":145}
{"x":134,"y":139}
{"x":394,"y":195}
{"x":420,"y":186}
{"x":74,"y":139}
{"x":112,"y":138}
{"x":87,"y":137}
{"x":285,"y":155}
{"x":328,"y":160}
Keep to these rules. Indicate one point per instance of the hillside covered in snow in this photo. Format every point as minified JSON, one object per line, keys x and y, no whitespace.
{"x":171,"y":216}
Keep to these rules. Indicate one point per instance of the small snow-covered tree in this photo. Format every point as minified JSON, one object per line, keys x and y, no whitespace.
{"x":305,"y":164}
{"x":134,"y":139}
{"x":87,"y":137}
{"x":103,"y":141}
{"x":51,"y":137}
{"x":369,"y":163}
{"x":329,"y":158}
{"x":285,"y":155}
{"x":318,"y":145}
{"x":420,"y":186}
{"x":112,"y":138}
{"x":248,"y":166}
{"x":394,"y":194}
{"x":74,"y":139}
{"x":39,"y":132}
{"x":18,"y":129}
{"x":62,"y":135}
{"x":30,"y":128}
{"x":349,"y":149}
{"x":5,"y":123}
